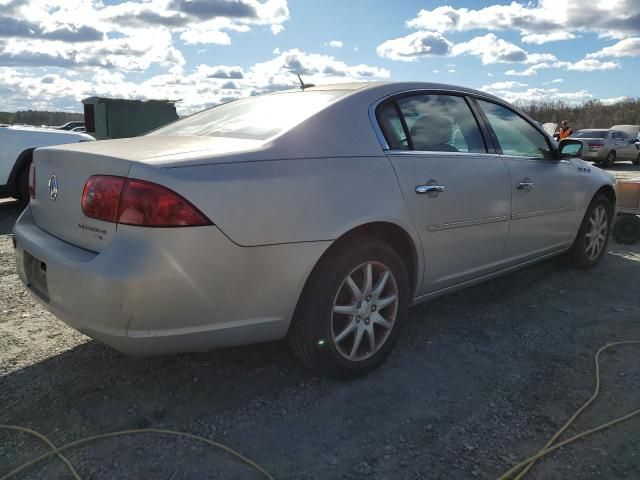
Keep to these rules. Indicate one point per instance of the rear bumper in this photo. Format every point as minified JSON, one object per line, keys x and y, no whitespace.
{"x":159,"y":291}
{"x":598,"y":156}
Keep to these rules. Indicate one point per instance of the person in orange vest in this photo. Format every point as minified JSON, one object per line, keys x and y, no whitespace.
{"x":565,"y":130}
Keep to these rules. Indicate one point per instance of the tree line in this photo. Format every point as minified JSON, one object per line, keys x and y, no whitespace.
{"x":591,"y":114}
{"x":37,"y":117}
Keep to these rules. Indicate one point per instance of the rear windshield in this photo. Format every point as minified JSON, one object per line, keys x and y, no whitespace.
{"x":590,"y":134}
{"x":255,"y":118}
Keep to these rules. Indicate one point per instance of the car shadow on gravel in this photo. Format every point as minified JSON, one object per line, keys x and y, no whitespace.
{"x":478,"y":380}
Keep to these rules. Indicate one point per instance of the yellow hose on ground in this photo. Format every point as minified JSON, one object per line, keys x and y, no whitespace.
{"x":524,"y":466}
{"x":520,"y":470}
{"x":83,"y":441}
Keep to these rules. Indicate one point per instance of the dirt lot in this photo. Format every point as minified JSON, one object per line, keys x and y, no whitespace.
{"x":479,"y":380}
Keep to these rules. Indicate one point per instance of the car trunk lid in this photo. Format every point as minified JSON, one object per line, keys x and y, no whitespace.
{"x":61,"y":174}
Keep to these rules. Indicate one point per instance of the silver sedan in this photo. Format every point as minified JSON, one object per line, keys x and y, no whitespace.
{"x":319,"y":215}
{"x":608,"y":146}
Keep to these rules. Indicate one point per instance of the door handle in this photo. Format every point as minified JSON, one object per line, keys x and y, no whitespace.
{"x":429,"y":189}
{"x":526,"y":185}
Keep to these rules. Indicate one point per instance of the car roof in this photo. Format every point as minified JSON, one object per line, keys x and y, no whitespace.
{"x":390,"y":88}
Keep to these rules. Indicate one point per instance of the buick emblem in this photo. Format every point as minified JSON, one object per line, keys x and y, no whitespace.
{"x":53,"y":188}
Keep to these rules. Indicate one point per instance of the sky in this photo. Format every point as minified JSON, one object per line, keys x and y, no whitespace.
{"x":54,"y":53}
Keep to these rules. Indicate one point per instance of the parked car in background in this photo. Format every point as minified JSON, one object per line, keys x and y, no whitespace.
{"x":16,"y":152}
{"x":70,"y":125}
{"x":319,"y":215}
{"x":606,"y":146}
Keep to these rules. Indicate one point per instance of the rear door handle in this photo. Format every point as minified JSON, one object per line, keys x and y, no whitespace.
{"x":429,"y":189}
{"x":526,"y":184}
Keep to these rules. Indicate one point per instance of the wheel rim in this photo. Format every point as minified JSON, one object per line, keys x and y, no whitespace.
{"x":611,"y":157}
{"x":364,"y":311}
{"x":597,"y":231}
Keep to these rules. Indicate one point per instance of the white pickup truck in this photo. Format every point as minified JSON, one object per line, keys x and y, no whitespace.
{"x":17,"y":144}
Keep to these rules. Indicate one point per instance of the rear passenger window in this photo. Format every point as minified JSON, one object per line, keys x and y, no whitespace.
{"x":392,"y":128}
{"x":441,"y":123}
{"x":434,"y":123}
{"x":515,"y":135}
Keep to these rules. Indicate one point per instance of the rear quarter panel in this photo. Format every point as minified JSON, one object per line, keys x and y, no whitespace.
{"x":286,"y":201}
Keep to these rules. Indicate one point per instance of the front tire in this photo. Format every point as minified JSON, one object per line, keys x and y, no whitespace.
{"x":352,"y":309}
{"x":591,"y":241}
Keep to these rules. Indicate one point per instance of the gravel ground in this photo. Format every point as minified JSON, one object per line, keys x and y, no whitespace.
{"x":479,"y":380}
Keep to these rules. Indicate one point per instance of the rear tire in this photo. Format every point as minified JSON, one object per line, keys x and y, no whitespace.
{"x":637,"y":160}
{"x":611,"y":159}
{"x":591,"y":241}
{"x":627,"y":229}
{"x":343,"y":326}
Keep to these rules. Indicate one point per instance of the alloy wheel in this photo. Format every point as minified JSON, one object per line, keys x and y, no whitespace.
{"x":364,"y":311}
{"x":597,"y":231}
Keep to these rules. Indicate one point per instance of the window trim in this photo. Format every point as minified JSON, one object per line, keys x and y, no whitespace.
{"x":494,"y":137}
{"x":379,"y":131}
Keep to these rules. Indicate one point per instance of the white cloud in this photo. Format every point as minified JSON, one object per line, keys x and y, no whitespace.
{"x":414,"y":45}
{"x":504,"y":85}
{"x":557,"y":80}
{"x":517,"y":93}
{"x":491,"y":49}
{"x":540,"y":38}
{"x":545,"y":18}
{"x":590,"y":65}
{"x":629,"y":47}
{"x":584,"y":65}
{"x":335,"y":44}
{"x":612,"y":100}
{"x":203,"y":86}
{"x":277,"y":28}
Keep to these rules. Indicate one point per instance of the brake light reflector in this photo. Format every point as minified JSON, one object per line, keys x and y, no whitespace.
{"x":595,"y":145}
{"x":137,"y":202}
{"x":32,"y":180}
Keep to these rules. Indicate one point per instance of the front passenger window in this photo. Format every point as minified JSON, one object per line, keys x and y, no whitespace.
{"x":515,"y":135}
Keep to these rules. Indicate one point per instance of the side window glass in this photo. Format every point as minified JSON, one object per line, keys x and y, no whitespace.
{"x":391,"y":127}
{"x":617,"y":136}
{"x":441,"y":123}
{"x":515,"y":135}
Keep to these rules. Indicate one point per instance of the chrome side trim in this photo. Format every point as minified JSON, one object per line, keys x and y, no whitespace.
{"x":538,"y":213}
{"x":467,"y":223}
{"x":454,"y":288}
{"x":440,"y":154}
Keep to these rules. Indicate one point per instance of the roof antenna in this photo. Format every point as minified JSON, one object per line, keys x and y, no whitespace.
{"x":304,"y":85}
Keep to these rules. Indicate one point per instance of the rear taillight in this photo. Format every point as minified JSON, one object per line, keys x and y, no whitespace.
{"x":101,"y":197}
{"x":137,"y":202}
{"x":32,"y":181}
{"x":595,"y":145}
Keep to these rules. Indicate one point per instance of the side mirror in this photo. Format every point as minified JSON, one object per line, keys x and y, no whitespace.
{"x":570,"y":148}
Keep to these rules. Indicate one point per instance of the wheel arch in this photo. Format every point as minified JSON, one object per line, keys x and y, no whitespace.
{"x":391,"y":233}
{"x":609,"y":192}
{"x":22,"y":162}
